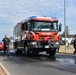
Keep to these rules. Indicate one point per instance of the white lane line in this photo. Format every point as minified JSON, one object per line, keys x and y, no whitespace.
{"x":5,"y":70}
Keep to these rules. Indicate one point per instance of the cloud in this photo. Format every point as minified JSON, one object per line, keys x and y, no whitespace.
{"x":12,"y":12}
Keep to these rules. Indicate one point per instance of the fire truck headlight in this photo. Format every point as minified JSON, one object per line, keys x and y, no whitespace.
{"x":57,"y":43}
{"x":33,"y":43}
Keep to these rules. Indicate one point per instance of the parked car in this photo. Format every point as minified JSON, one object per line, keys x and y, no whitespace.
{"x":1,"y":46}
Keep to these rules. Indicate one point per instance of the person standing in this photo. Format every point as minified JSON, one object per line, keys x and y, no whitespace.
{"x":6,"y":42}
{"x":74,"y":44}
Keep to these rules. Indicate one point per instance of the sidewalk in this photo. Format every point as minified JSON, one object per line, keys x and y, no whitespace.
{"x":69,"y":49}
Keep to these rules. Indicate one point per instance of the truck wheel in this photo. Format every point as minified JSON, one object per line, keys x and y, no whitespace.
{"x":18,"y":52}
{"x":52,"y":53}
{"x":35,"y":52}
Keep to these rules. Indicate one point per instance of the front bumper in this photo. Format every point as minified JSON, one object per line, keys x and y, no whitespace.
{"x":44,"y":45}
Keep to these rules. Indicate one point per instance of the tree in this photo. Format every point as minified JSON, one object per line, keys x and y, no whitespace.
{"x":67,"y":32}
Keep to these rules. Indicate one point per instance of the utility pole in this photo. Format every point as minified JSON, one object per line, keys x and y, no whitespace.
{"x":65,"y":23}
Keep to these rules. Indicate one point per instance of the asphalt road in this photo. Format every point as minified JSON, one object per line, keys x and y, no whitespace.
{"x":42,"y":64}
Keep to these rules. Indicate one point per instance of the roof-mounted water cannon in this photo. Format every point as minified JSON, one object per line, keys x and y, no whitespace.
{"x":60,"y":26}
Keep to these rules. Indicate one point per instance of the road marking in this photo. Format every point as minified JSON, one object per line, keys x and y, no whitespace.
{"x":5,"y":70}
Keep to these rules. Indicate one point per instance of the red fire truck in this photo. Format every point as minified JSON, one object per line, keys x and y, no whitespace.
{"x":37,"y":34}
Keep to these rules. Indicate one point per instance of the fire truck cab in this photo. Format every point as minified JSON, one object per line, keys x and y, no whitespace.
{"x":37,"y":34}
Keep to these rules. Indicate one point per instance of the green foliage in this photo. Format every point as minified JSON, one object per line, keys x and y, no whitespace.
{"x":67,"y":32}
{"x":63,"y":41}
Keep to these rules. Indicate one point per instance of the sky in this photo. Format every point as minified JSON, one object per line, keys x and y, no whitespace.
{"x":13,"y":11}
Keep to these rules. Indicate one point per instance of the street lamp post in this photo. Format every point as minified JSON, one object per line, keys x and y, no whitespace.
{"x":65,"y":23}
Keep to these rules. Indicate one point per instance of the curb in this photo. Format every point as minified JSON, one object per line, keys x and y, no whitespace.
{"x":5,"y":70}
{"x":65,"y":53}
{"x":70,"y":51}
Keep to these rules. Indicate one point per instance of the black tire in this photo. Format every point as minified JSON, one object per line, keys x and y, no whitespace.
{"x":52,"y":53}
{"x":18,"y":51}
{"x":35,"y":52}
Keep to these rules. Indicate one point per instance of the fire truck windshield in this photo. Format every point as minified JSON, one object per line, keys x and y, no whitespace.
{"x":44,"y":26}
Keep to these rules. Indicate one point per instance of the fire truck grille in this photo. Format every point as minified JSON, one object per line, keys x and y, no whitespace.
{"x":42,"y":37}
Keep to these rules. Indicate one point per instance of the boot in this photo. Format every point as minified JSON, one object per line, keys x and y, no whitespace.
{"x":74,"y":52}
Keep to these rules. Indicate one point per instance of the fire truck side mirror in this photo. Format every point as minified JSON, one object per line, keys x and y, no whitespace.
{"x":60,"y":27}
